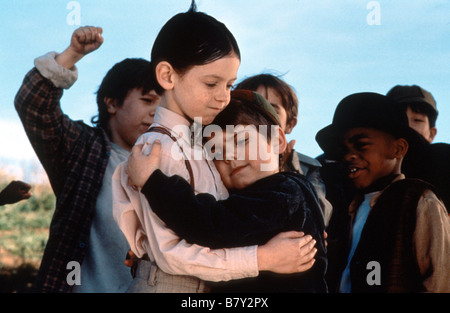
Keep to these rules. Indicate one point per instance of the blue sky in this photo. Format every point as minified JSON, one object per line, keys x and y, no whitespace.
{"x":326,"y":50}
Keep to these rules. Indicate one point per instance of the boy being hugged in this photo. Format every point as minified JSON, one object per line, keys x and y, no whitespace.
{"x":262,"y":203}
{"x":397,"y":222}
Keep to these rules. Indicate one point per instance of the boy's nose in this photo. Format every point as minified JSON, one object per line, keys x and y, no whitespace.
{"x":349,"y":156}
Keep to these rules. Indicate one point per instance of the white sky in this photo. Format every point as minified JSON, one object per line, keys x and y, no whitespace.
{"x":326,"y":49}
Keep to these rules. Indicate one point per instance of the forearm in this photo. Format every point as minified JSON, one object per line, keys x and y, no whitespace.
{"x":68,"y":58}
{"x":208,"y":264}
{"x":243,"y":219}
{"x":177,"y":257}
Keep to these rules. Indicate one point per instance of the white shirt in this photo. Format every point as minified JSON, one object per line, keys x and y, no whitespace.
{"x":147,"y":233}
{"x":358,"y":226}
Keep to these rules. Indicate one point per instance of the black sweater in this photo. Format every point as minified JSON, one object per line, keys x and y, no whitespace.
{"x":251,"y":216}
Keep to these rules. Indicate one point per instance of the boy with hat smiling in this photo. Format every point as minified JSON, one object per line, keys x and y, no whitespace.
{"x":396,"y":222}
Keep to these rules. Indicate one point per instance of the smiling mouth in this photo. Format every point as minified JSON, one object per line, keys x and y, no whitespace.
{"x":237,"y":170}
{"x":353,"y":172}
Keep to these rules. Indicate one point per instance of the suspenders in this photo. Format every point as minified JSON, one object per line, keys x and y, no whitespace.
{"x":165,"y":131}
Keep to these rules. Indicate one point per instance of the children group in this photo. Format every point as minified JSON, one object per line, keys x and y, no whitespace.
{"x":227,"y":221}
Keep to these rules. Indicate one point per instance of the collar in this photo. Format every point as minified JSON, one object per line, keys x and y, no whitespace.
{"x":359,"y":198}
{"x":178,"y":125}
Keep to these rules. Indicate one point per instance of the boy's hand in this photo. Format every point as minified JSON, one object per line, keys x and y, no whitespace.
{"x":285,"y":155}
{"x":84,"y":40}
{"x":141,"y":166}
{"x":286,"y":253}
{"x":14,"y":192}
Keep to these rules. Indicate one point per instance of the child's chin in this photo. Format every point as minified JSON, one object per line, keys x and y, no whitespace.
{"x":360,"y":185}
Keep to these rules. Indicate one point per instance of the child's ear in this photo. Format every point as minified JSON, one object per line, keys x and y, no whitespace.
{"x":282,"y":142}
{"x":401,"y":147}
{"x":111,"y":105}
{"x":433,"y":132}
{"x":164,"y":74}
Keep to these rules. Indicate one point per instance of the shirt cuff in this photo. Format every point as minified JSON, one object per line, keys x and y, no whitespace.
{"x":244,"y":260}
{"x":60,"y":76}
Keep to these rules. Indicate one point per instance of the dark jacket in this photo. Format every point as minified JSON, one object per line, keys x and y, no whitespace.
{"x":252,"y":216}
{"x":431,"y":164}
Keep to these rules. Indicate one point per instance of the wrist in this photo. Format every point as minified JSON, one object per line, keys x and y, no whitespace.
{"x":68,"y":58}
{"x":261,"y":256}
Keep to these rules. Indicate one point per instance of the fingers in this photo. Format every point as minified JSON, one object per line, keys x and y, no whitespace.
{"x":306,"y":241}
{"x":156,"y":151}
{"x":291,"y":145}
{"x":156,"y":147}
{"x":26,"y":195}
{"x":89,"y":34}
{"x":308,"y":251}
{"x":136,"y":149}
{"x":291,"y":234}
{"x":306,"y":266}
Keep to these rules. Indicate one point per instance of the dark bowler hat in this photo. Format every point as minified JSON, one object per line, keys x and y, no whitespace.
{"x":368,"y":110}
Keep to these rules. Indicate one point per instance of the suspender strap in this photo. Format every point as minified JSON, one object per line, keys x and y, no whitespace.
{"x":165,"y":131}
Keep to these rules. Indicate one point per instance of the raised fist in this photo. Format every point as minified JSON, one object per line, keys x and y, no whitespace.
{"x":86,"y":39}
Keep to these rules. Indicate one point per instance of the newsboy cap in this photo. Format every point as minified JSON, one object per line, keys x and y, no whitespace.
{"x":412,"y":94}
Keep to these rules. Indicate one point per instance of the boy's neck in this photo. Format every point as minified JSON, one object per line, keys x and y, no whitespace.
{"x":168,"y":103}
{"x":380,"y":184}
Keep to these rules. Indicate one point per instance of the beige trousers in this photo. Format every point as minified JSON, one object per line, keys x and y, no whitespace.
{"x":150,"y":279}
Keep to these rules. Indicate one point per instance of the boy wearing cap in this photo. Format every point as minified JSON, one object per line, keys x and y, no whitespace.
{"x":420,"y":108}
{"x":431,"y":162}
{"x":397,"y":225}
{"x":285,"y":102}
{"x":263,"y":201}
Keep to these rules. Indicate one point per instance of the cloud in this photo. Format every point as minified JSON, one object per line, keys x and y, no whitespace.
{"x":14,"y":142}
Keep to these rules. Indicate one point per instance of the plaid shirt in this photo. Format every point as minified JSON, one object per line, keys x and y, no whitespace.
{"x":75,"y":156}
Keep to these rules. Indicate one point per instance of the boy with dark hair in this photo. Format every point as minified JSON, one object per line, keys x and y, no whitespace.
{"x":80,"y":160}
{"x":420,"y":107}
{"x":429,"y":163}
{"x":398,"y":224}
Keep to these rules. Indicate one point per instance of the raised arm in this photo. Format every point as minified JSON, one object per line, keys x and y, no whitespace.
{"x":51,"y":133}
{"x":84,"y":41}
